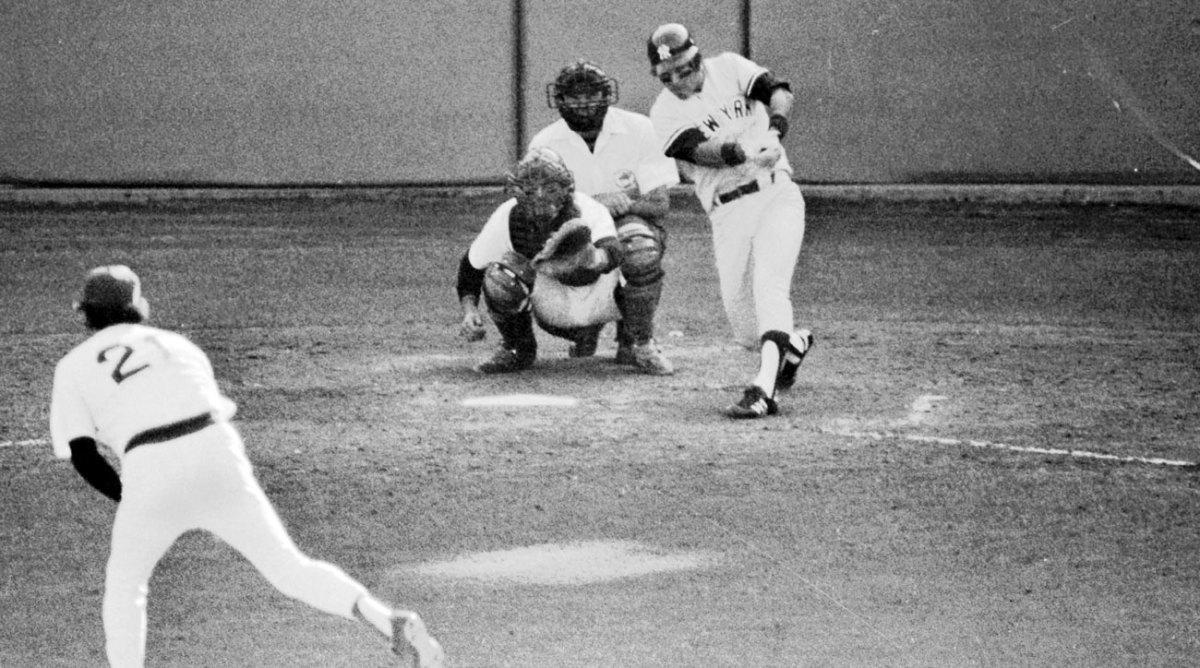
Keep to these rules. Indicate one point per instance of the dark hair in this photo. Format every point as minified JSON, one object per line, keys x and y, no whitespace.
{"x":99,"y":317}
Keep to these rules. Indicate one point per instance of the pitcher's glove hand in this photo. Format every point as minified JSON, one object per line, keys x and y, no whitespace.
{"x":569,"y":256}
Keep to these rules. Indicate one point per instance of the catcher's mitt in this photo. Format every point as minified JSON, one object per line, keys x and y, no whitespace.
{"x":569,"y":256}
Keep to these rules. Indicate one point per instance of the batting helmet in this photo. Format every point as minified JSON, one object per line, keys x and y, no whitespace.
{"x":591,"y":91}
{"x":541,"y":183}
{"x":111,"y":294}
{"x":669,"y":46}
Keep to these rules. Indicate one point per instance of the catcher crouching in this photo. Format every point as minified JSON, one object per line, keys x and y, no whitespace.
{"x":554,"y":255}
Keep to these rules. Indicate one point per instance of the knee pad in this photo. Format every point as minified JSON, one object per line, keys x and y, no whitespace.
{"x":507,"y":285}
{"x":641,"y":262}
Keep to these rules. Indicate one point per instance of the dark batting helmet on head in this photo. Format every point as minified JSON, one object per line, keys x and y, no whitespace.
{"x":669,"y":46}
{"x":112,"y":294}
{"x":591,"y":91}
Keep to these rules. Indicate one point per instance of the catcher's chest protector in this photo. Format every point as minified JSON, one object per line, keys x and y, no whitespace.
{"x":528,"y":238}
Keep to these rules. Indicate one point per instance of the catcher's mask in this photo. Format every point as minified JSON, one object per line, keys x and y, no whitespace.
{"x":582,"y":93}
{"x":675,"y":59}
{"x":542,"y":185}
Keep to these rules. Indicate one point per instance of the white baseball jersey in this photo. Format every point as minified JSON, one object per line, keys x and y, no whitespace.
{"x":721,"y":109}
{"x":126,"y":379}
{"x":626,"y":157}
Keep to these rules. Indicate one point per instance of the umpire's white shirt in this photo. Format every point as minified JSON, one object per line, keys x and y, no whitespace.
{"x":126,"y":379}
{"x":627,"y":154}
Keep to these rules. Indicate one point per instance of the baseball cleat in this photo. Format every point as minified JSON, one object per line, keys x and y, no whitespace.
{"x":791,"y":362}
{"x":508,"y":360}
{"x":649,"y":359}
{"x":754,"y":404}
{"x":413,"y":644}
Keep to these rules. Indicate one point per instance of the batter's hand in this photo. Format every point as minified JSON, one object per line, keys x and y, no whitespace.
{"x":764,"y":150}
{"x":617,"y":202}
{"x":471,"y":328}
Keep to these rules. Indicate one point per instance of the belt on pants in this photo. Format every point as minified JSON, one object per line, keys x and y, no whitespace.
{"x":171,"y":431}
{"x":748,"y":188}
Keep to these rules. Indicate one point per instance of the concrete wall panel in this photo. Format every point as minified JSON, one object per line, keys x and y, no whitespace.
{"x":258,"y":92}
{"x":367,"y":91}
{"x":914,"y":90}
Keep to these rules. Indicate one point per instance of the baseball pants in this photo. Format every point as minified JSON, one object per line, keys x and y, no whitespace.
{"x":756,"y":243}
{"x":201,"y":481}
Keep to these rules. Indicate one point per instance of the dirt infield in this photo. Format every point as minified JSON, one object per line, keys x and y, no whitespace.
{"x":604,"y":518}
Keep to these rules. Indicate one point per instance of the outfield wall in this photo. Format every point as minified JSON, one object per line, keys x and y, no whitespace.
{"x":373,"y":92}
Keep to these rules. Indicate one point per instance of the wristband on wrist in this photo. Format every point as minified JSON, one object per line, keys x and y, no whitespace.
{"x":732,"y":154}
{"x":778,"y":123}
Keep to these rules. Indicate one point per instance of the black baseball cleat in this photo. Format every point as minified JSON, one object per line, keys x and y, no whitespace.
{"x":791,"y":363}
{"x":508,"y":360}
{"x":754,"y":404}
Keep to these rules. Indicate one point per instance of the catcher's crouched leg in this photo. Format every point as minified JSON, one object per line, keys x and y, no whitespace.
{"x":583,"y":339}
{"x":506,"y":288}
{"x":641,"y":266}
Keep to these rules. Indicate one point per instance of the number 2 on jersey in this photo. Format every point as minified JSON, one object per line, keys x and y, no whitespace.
{"x":120,"y":373}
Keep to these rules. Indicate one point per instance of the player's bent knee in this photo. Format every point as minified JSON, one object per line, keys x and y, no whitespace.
{"x":641,"y":262}
{"x":507,"y":285}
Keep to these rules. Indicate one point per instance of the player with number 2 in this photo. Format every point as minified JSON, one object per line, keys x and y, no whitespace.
{"x":149,"y":395}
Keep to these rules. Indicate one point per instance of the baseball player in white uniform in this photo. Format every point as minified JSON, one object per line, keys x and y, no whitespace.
{"x":498,"y":265}
{"x":614,"y":156}
{"x":723,"y":117}
{"x":149,"y":395}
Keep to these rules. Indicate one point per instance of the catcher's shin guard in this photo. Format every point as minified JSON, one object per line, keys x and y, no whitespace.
{"x":637,"y":305}
{"x":506,"y":289}
{"x":516,"y":329}
{"x":507,"y":285}
{"x":518,"y":349}
{"x":641,"y":265}
{"x":642,"y":250}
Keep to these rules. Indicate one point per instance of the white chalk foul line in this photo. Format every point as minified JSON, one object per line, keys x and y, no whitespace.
{"x":17,"y":444}
{"x":973,"y":443}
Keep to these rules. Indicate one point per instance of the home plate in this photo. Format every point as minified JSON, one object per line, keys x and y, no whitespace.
{"x":565,"y":563}
{"x":505,"y":400}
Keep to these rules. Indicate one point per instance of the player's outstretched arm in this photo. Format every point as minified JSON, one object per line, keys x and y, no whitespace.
{"x":94,"y":468}
{"x":692,"y":146}
{"x":617,"y":202}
